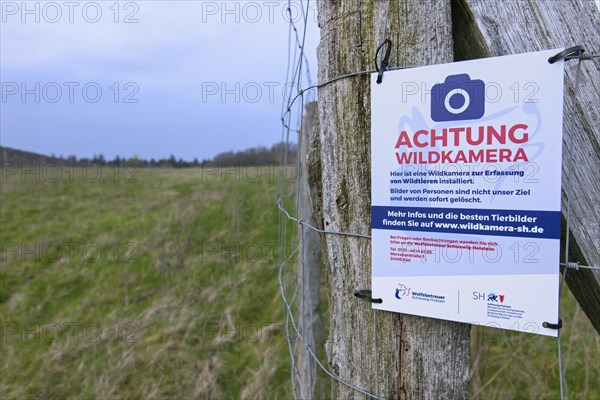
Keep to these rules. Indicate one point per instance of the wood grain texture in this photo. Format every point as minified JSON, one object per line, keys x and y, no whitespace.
{"x":418,"y":357}
{"x":308,"y":268}
{"x":494,"y":28}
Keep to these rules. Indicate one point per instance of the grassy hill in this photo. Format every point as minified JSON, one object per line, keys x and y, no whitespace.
{"x":161,"y":283}
{"x":18,"y":158}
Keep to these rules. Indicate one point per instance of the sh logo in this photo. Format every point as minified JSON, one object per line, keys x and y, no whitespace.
{"x":458,"y":98}
{"x":491,"y":297}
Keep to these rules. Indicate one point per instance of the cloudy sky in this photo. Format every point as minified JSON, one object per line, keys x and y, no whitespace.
{"x":147,"y":78}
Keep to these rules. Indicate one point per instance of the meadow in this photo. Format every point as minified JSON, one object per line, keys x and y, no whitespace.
{"x":162,"y":283}
{"x":146,"y":283}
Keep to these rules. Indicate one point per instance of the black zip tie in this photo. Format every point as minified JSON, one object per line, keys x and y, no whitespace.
{"x":568,"y":54}
{"x":386,"y":59}
{"x":366,"y":294}
{"x":548,"y":325}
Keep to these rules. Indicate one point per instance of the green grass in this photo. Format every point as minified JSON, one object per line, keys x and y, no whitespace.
{"x":161,"y":288}
{"x":165,"y":285}
{"x":512,"y":365}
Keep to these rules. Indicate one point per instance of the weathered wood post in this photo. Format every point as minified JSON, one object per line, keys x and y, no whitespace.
{"x":430,"y":357}
{"x":493,"y":28}
{"x":308,"y":268}
{"x":418,"y":357}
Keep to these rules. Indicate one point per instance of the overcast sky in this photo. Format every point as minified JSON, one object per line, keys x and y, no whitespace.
{"x":147,"y":78}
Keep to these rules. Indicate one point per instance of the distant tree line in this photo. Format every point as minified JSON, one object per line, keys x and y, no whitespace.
{"x":253,"y":156}
{"x":172,"y":161}
{"x":257,"y":156}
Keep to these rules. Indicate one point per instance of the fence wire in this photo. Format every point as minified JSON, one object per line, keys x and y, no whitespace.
{"x":301,"y":90}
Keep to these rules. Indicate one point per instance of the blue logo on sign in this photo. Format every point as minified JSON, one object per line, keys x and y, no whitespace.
{"x":458,"y":98}
{"x":402,"y":291}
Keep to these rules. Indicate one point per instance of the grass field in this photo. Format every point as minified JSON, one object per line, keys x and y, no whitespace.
{"x":142,"y":284}
{"x":160,"y":283}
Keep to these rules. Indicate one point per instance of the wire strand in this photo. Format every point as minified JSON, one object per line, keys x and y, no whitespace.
{"x":292,"y":123}
{"x":293,"y":104}
{"x":291,"y":319}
